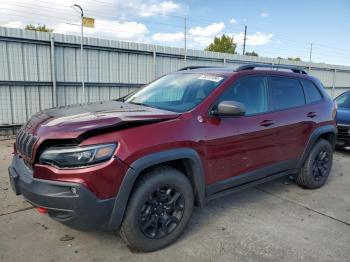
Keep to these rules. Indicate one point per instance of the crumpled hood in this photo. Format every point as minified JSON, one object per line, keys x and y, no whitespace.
{"x":343,"y":116}
{"x":77,"y":120}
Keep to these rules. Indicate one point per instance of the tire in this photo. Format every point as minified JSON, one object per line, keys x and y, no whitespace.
{"x":158,"y":211}
{"x":317,"y":166}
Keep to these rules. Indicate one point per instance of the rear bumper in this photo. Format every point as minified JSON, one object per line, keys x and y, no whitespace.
{"x":69,"y":203}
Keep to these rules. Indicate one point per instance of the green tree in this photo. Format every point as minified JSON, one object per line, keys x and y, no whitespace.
{"x":251,"y":53}
{"x":40,"y":28}
{"x":222,"y":44}
{"x":294,"y":59}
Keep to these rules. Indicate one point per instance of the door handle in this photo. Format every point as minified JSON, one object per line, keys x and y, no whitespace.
{"x":311,"y":114}
{"x":267,"y":123}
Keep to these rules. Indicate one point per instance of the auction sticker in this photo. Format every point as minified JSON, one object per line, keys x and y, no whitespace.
{"x":210,"y":78}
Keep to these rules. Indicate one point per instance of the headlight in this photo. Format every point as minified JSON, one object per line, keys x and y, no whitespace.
{"x":75,"y":156}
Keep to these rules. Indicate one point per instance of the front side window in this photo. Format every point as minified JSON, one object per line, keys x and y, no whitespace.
{"x":286,"y":93}
{"x":343,"y":100}
{"x":177,"y":92}
{"x":251,"y":92}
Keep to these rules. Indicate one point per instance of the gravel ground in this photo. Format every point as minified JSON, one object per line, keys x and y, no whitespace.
{"x":276,"y":221}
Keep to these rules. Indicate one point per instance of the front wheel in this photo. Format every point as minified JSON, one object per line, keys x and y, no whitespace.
{"x":317,"y":167}
{"x":159,"y":209}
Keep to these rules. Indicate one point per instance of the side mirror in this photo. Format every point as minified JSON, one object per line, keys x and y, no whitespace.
{"x":230,"y":108}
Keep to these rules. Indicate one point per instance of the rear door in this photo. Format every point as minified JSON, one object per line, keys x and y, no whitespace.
{"x":294,"y":117}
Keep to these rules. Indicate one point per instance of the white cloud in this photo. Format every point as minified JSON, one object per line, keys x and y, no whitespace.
{"x":168,"y":37}
{"x":255,"y":39}
{"x":109,"y":29}
{"x":210,"y":30}
{"x":114,"y":19}
{"x":14,"y":24}
{"x":201,"y":41}
{"x":233,"y":21}
{"x":264,"y":14}
{"x":163,"y":8}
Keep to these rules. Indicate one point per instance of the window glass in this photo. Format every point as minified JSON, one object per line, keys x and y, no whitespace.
{"x":286,"y":93}
{"x":311,"y":91}
{"x":177,"y":92}
{"x":251,"y":92}
{"x":343,"y":100}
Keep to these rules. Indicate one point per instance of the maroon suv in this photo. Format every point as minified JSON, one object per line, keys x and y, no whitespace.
{"x":142,"y":162}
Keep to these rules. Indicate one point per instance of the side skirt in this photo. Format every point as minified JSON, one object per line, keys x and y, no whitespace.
{"x":249,"y":184}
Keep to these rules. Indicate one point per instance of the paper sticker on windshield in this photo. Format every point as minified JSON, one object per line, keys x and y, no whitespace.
{"x":211,"y":78}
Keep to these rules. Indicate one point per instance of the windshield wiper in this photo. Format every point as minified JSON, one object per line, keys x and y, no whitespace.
{"x":139,"y":104}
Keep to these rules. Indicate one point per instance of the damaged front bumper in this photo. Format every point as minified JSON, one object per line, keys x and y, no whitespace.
{"x":69,"y":203}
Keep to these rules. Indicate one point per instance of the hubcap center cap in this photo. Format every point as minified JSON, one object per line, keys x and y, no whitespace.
{"x":160,"y":210}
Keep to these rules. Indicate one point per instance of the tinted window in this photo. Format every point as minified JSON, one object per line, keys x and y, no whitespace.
{"x":311,"y":91}
{"x":286,"y":93}
{"x":343,"y":100}
{"x":251,"y":92}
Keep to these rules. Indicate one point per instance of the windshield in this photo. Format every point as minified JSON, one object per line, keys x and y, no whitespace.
{"x":343,"y":100}
{"x":176,"y":92}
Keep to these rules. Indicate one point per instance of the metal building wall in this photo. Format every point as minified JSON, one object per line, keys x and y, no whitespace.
{"x":41,"y":70}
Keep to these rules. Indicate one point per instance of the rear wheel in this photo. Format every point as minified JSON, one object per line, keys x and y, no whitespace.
{"x":317,"y":167}
{"x":159,"y":209}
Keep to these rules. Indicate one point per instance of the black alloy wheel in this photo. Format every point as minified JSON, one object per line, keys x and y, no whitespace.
{"x":317,"y":166}
{"x":321,"y":165}
{"x":158,"y":210}
{"x":162,"y":212}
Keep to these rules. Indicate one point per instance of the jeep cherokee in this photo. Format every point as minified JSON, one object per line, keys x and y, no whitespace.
{"x":139,"y":164}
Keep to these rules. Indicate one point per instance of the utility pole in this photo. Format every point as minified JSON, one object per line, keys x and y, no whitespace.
{"x":245,"y":38}
{"x":310,"y":59}
{"x":81,"y":52}
{"x":185,"y":38}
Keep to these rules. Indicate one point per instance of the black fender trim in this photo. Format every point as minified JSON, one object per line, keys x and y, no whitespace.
{"x":197,"y":176}
{"x":315,"y":135}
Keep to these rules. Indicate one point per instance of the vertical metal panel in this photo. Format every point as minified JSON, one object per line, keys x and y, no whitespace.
{"x":94,"y":94}
{"x":4,"y":67}
{"x":45,"y":93}
{"x":18,"y":104}
{"x":71,"y":95}
{"x":30,"y":62}
{"x":71,"y":64}
{"x":5,"y":106}
{"x":32,"y":99}
{"x":15,"y":61}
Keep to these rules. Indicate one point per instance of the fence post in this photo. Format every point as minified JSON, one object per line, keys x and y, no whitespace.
{"x":53,"y":72}
{"x":154,"y":65}
{"x":333,"y":82}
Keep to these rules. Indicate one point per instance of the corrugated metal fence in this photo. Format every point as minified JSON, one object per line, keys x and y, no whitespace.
{"x":41,"y":70}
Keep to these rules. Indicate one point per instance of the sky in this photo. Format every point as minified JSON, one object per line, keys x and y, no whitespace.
{"x":275,"y":28}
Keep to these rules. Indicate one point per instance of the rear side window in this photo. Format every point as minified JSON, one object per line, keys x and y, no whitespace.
{"x":250,"y":91}
{"x":286,"y":93}
{"x":311,"y":92}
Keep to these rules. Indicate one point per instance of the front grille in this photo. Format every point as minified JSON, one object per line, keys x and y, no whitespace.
{"x":25,"y":143}
{"x":343,"y":132}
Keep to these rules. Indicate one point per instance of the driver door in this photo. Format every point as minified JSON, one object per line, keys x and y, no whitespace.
{"x":238,"y":146}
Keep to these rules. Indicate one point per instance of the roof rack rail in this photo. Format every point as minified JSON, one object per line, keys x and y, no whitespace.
{"x":294,"y":69}
{"x":195,"y":67}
